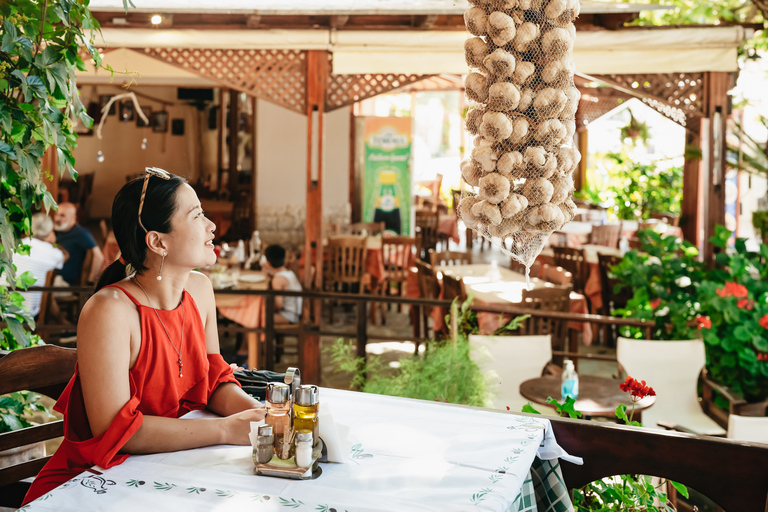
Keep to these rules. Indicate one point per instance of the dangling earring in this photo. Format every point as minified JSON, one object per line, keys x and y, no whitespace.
{"x":159,"y":277}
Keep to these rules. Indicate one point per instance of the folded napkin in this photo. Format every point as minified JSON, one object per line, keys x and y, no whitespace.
{"x":334,"y":435}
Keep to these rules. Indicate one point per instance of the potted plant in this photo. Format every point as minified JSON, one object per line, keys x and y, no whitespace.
{"x":635,"y":130}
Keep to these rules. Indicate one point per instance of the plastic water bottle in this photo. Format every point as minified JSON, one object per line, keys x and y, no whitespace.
{"x":570,"y":382}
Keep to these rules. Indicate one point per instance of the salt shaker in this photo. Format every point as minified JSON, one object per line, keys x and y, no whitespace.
{"x":265,"y":444}
{"x":303,"y":456}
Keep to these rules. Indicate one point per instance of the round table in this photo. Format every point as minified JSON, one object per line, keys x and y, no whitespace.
{"x":598,"y":396}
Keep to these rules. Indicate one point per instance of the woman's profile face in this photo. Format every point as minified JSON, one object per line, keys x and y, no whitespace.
{"x":190,"y":242}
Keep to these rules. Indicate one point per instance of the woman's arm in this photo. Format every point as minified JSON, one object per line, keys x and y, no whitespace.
{"x":228,"y":398}
{"x":107,"y":323}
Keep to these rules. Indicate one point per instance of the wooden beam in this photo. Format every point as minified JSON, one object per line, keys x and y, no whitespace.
{"x":353,"y":202}
{"x":254,"y":221}
{"x":222,"y":138}
{"x":689,"y":217}
{"x":317,"y":75}
{"x":234,"y":115}
{"x":253,"y":21}
{"x":339,"y":20}
{"x":425,"y":22}
{"x":716,"y":88}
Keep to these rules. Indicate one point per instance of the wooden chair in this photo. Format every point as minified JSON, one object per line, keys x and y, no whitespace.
{"x":453,"y":288}
{"x":669,"y":218}
{"x":360,"y":228}
{"x":426,"y":227}
{"x":429,"y":288}
{"x":606,"y":234}
{"x":518,"y":267}
{"x":398,"y":253}
{"x":345,"y":266}
{"x":46,"y":305}
{"x":556,"y":275}
{"x":612,"y":300}
{"x":449,"y":258}
{"x":672,"y":369}
{"x":73,"y":303}
{"x":572,"y":260}
{"x":549,"y":298}
{"x":748,"y":428}
{"x":46,"y":370}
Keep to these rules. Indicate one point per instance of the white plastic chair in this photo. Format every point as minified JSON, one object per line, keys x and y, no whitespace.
{"x":508,"y":361}
{"x":672,"y":369}
{"x":748,"y":428}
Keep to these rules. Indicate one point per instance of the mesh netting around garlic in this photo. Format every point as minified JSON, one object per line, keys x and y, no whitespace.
{"x":519,"y":177}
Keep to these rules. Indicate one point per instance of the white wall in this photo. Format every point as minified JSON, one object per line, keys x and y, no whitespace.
{"x":336,"y":169}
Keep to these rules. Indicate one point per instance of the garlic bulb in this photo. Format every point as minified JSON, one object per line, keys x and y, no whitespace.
{"x":504,"y":5}
{"x":534,"y":157}
{"x":549,"y":102}
{"x":523,"y":71}
{"x":568,"y":209}
{"x":538,"y":190}
{"x":567,"y":158}
{"x":520,"y":127}
{"x":486,"y":156}
{"x":527,"y":33}
{"x":550,"y":166}
{"x":503,"y":97}
{"x":513,"y":205}
{"x":476,"y":21}
{"x":558,"y":71}
{"x":471,"y":171}
{"x":464,"y":211}
{"x":526,"y":98}
{"x":569,"y":109}
{"x":550,"y":131}
{"x":495,"y":126}
{"x":474,"y":119}
{"x":557,"y":42}
{"x":501,"y":28}
{"x":568,"y":11}
{"x":525,"y":4}
{"x":555,"y":8}
{"x":476,"y":87}
{"x":511,"y":165}
{"x":487,"y":214}
{"x":475,"y":50}
{"x":563,"y":186}
{"x":500,"y":63}
{"x":494,"y":188}
{"x":570,"y":128}
{"x":507,"y":227}
{"x":544,"y":217}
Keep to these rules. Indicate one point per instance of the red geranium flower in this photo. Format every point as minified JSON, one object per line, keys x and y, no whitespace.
{"x":764,"y":321}
{"x":745,"y":304}
{"x":655,"y":303}
{"x":733,"y":289}
{"x":638,"y":389}
{"x":703,"y":322}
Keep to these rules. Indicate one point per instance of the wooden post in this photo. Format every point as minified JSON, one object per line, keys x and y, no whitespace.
{"x":318,"y":71}
{"x":222,"y":139}
{"x":254,"y":220}
{"x":717,"y":84}
{"x":689,"y":218}
{"x":234,"y":117}
{"x":50,"y":172}
{"x":356,"y":215}
{"x":583,"y":142}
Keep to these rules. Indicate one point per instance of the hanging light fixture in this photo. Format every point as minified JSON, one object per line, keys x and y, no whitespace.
{"x":100,"y":156}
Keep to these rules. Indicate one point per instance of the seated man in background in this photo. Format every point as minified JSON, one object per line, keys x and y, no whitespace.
{"x":287,"y":309}
{"x":42,"y":258}
{"x":76,"y":240}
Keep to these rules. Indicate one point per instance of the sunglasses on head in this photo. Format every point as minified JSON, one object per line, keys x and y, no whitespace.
{"x":150,"y":171}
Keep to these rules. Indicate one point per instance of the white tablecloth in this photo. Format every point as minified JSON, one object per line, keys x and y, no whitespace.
{"x":405,"y":455}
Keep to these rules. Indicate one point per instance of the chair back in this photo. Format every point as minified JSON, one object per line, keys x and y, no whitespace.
{"x":87,"y":267}
{"x":669,"y":218}
{"x":572,"y":260}
{"x":46,"y":298}
{"x":549,"y":298}
{"x":449,"y":258}
{"x":606,"y":234}
{"x":556,"y":275}
{"x":398,"y":253}
{"x":518,"y":267}
{"x":363,"y":228}
{"x":748,"y":428}
{"x":426,"y":225}
{"x":46,"y":370}
{"x":453,"y":288}
{"x":429,"y":286}
{"x":672,"y":369}
{"x":508,"y":361}
{"x":611,"y":300}
{"x":346,"y":259}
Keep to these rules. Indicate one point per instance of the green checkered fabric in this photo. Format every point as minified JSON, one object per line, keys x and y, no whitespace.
{"x":551,"y":492}
{"x":526,"y":500}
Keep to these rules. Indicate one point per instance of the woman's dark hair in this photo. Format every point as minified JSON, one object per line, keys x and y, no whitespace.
{"x":159,"y":207}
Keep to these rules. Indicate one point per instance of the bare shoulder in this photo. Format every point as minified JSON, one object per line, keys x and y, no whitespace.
{"x":108,"y":311}
{"x":199,"y":286}
{"x":279,"y":282}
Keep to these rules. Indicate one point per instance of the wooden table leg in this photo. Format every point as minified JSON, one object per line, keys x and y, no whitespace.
{"x":253,"y":350}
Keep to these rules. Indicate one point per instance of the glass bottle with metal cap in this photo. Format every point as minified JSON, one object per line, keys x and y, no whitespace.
{"x":303,"y":456}
{"x":278,"y":409}
{"x":306,"y":404}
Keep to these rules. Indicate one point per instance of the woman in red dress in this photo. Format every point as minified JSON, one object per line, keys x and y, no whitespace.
{"x":147,"y":342}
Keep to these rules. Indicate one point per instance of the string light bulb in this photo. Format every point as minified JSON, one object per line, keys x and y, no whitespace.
{"x":156,"y":19}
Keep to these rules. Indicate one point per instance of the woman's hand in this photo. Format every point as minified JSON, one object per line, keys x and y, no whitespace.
{"x":238,"y":426}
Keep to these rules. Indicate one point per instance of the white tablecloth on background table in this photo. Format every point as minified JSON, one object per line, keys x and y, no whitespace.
{"x":405,"y":455}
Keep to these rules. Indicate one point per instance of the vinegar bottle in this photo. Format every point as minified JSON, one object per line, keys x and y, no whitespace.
{"x":278,"y":410}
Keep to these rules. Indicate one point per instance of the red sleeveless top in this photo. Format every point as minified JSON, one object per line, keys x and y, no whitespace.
{"x":156,"y":389}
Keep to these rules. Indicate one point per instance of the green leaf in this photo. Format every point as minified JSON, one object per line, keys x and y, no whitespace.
{"x":530,"y":409}
{"x":760,"y":343}
{"x":7,"y":150}
{"x":565,"y":407}
{"x":9,"y":37}
{"x":741,"y":333}
{"x":25,"y":280}
{"x":51,"y":54}
{"x":680,"y":488}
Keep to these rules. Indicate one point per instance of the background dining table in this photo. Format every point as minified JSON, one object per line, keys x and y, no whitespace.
{"x":394,"y":454}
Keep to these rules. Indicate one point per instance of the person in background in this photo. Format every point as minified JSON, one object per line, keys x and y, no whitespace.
{"x":288,"y":309}
{"x":77,"y":241}
{"x":42,"y":258}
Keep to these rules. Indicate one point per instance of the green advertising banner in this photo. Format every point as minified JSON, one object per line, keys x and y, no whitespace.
{"x":387,"y":185}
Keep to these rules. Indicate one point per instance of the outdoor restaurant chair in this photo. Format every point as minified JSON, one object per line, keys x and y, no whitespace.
{"x":445,"y":258}
{"x":399,"y":253}
{"x":429,"y":288}
{"x":556,"y":275}
{"x":612,"y":299}
{"x":45,"y":369}
{"x":748,"y":428}
{"x":607,"y":235}
{"x":672,"y":369}
{"x":453,"y":288}
{"x":71,"y":304}
{"x":550,"y":298}
{"x":46,"y":308}
{"x":669,"y":218}
{"x":518,"y":267}
{"x":426,"y":225}
{"x":574,"y":261}
{"x":363,"y":228}
{"x":509,"y":361}
{"x":345,"y":266}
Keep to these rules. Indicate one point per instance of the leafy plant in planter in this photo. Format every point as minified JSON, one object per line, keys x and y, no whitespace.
{"x":635,"y":130}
